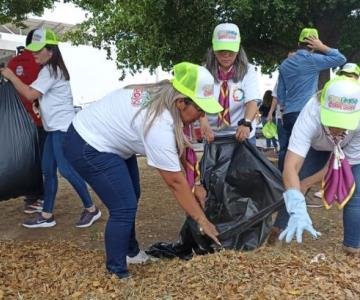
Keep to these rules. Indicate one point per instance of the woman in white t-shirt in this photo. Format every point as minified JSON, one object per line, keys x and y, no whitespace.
{"x":52,"y":88}
{"x":105,"y":137}
{"x":328,"y":122}
{"x":236,"y":87}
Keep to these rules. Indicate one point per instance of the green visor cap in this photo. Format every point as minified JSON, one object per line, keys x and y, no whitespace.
{"x":41,"y":38}
{"x":308,"y":32}
{"x":349,"y":68}
{"x":197,"y":83}
{"x":340,"y":103}
{"x":226,"y":36}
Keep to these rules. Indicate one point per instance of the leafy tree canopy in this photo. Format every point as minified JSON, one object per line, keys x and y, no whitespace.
{"x":148,"y":33}
{"x":15,"y":11}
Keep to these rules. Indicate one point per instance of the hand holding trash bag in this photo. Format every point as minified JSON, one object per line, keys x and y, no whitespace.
{"x":7,"y":73}
{"x":299,"y":218}
{"x":206,"y":227}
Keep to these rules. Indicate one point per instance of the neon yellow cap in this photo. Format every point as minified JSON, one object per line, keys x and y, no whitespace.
{"x":197,"y":83}
{"x":226,"y":36}
{"x":340,"y":103}
{"x":41,"y":38}
{"x":307,"y":32}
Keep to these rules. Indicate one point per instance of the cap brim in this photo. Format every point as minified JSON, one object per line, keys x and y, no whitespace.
{"x":349,"y":121}
{"x":208,"y":105}
{"x":34,"y":47}
{"x":227,"y":46}
{"x":341,"y":72}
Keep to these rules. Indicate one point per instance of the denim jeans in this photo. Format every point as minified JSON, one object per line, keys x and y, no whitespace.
{"x":314,"y":162}
{"x":117,"y":183}
{"x":351,"y":214}
{"x":252,"y":140}
{"x":288,"y":123}
{"x":53,"y":159}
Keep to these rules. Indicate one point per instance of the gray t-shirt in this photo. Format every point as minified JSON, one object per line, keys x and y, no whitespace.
{"x":56,"y":103}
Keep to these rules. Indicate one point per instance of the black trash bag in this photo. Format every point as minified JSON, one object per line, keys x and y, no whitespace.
{"x":20,"y":168}
{"x":244,"y":190}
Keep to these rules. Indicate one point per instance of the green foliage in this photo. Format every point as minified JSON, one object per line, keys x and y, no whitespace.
{"x":148,"y":33}
{"x":15,"y":11}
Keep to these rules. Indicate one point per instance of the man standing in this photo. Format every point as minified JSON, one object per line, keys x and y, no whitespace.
{"x":299,"y":76}
{"x":298,"y":82}
{"x":25,"y":67}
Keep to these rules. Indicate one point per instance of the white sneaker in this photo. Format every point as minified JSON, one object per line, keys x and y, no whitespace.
{"x":318,"y":194}
{"x":140,"y":258}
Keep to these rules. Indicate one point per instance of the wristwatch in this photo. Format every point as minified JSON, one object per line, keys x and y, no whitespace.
{"x":245,"y":122}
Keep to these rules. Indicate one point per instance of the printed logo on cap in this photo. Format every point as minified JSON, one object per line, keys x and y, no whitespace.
{"x":208,"y":90}
{"x":342,"y":104}
{"x":37,"y":36}
{"x":229,"y":35}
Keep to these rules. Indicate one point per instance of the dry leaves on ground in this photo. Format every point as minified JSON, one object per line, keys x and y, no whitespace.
{"x":63,"y":270}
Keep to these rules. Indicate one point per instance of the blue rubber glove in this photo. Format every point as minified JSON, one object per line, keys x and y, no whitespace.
{"x":299,"y":218}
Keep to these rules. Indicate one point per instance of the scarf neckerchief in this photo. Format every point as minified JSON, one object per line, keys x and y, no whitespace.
{"x":338,"y":183}
{"x":191,"y":165}
{"x":224,"y":99}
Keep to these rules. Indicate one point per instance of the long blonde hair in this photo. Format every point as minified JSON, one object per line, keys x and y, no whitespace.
{"x":163,"y":96}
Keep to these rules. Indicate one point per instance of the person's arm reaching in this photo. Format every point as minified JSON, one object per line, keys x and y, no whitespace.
{"x":181,"y":190}
{"x":272,"y":109}
{"x":206,"y":129}
{"x":243,"y":132}
{"x":308,"y":182}
{"x":28,"y":92}
{"x":295,"y":201}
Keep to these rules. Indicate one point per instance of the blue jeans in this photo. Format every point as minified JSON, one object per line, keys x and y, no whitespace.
{"x":117,"y":183}
{"x":284,"y":134}
{"x":53,"y":158}
{"x":314,"y":162}
{"x":351,"y":214}
{"x":252,"y":140}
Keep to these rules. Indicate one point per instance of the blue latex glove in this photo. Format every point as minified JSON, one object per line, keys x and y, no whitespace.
{"x":299,"y":218}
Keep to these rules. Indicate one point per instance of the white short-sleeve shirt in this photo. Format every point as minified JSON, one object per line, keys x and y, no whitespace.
{"x":240,"y":93}
{"x":56,"y":103}
{"x":308,"y":132}
{"x":108,"y":125}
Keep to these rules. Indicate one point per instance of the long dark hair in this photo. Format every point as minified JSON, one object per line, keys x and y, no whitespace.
{"x":56,"y":61}
{"x":267,"y":98}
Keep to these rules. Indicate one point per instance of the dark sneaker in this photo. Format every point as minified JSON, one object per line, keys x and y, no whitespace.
{"x":88,"y":218}
{"x":39,"y":222}
{"x":35,"y":207}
